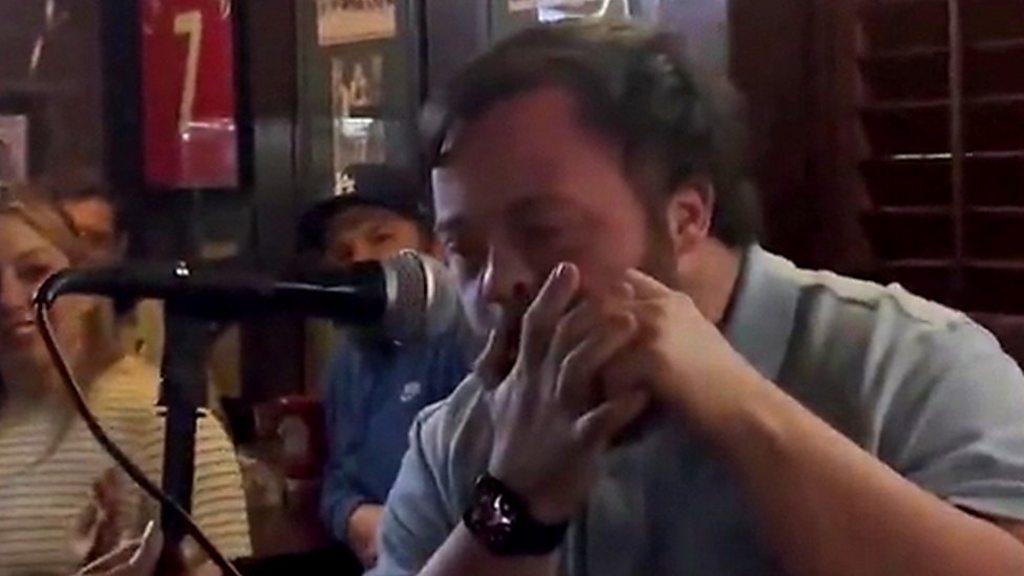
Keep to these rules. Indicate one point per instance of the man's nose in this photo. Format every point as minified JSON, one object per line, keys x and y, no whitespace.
{"x":507,"y":280}
{"x":360,"y":252}
{"x":353,"y":253}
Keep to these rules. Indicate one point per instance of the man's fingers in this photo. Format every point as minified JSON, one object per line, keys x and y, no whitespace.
{"x":498,"y":356}
{"x":584,"y":318}
{"x":617,"y":293}
{"x":369,"y":557}
{"x":546,"y":311}
{"x":645,"y":286}
{"x":488,"y":364}
{"x":573,"y":328}
{"x":367,"y":553}
{"x":600,"y":425}
{"x":629,"y":370}
{"x":580,"y":367}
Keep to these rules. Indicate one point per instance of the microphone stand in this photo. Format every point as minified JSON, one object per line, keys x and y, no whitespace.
{"x":183,"y":390}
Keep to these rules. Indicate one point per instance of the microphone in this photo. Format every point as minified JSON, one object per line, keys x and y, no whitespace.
{"x":411,"y":295}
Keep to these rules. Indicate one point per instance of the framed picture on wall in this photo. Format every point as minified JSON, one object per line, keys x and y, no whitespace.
{"x":555,"y":10}
{"x":582,"y":7}
{"x":357,"y":84}
{"x":357,"y":92}
{"x":13,"y":148}
{"x":348,"y":21}
{"x":188,"y":84}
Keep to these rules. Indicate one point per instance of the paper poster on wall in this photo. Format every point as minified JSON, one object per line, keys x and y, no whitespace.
{"x":579,"y":7}
{"x":357,"y":93}
{"x":358,"y":140}
{"x":357,"y":84}
{"x":348,"y":21}
{"x":13,"y":149}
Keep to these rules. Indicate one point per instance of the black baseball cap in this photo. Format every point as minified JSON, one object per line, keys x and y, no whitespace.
{"x":381,"y":185}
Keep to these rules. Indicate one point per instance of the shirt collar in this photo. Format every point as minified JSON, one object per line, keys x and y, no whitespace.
{"x":763,"y":311}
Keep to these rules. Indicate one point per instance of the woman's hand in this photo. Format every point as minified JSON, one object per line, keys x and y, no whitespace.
{"x":141,"y":557}
{"x":136,"y":557}
{"x":98,"y":529}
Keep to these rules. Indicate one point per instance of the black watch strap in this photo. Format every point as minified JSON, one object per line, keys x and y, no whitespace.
{"x":500,"y":520}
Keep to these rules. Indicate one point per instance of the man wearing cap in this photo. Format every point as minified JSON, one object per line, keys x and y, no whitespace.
{"x":374,"y":387}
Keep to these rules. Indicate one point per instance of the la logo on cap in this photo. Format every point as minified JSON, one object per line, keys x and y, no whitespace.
{"x":346,"y":186}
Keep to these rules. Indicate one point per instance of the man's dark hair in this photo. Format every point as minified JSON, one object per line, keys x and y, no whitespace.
{"x":85,"y":192}
{"x":631,"y":85}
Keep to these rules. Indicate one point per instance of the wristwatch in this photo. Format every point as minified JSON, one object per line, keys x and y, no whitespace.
{"x":499,"y":519}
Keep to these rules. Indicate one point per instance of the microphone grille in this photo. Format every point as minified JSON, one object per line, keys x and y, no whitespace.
{"x":422,"y":300}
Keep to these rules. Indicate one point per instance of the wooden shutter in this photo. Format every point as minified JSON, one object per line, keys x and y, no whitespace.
{"x":942,"y":111}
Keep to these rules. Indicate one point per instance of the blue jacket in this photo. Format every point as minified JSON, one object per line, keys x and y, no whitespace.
{"x":372,"y":393}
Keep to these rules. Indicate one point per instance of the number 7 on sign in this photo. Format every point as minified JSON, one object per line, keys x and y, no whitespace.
{"x":191,"y":24}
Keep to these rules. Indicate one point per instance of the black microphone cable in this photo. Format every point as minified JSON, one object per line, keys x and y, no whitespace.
{"x":122,"y":460}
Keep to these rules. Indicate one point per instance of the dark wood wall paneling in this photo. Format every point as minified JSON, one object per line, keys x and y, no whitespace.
{"x":272,"y":349}
{"x":457,"y":30}
{"x":795,"y":62}
{"x":63,"y":96}
{"x":258,"y":217}
{"x":402,"y":89}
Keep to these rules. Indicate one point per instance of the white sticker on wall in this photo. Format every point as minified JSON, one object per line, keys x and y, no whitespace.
{"x":347,"y":21}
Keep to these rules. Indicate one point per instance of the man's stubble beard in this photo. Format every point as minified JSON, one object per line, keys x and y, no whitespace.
{"x":659,"y":256}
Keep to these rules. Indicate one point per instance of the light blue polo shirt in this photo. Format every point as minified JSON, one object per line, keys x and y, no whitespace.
{"x":921,"y":387}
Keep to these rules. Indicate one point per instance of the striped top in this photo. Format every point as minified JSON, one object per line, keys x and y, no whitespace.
{"x":49,"y":473}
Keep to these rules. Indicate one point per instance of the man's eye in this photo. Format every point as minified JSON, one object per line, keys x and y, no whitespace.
{"x":382,"y":238}
{"x":542,"y":233}
{"x":455,"y":250}
{"x":544,"y":230}
{"x":464,"y":255}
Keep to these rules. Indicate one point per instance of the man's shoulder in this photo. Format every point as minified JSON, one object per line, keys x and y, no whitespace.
{"x":868,"y":357}
{"x":853,"y":307}
{"x":449,"y":420}
{"x":881,"y":332}
{"x":454,"y":435}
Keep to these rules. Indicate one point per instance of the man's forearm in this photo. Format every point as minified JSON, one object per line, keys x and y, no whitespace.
{"x":826,"y":507}
{"x":338,"y":500}
{"x":462,"y":554}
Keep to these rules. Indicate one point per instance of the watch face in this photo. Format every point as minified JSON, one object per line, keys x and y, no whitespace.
{"x":499,"y":519}
{"x":497,"y":514}
{"x":493,"y":516}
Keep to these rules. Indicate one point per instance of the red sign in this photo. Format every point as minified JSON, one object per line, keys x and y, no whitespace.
{"x":188,"y":91}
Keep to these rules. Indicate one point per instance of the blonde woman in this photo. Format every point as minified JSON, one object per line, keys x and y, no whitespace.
{"x":63,"y":502}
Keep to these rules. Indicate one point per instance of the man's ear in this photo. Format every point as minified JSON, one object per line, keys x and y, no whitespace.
{"x":688,"y":215}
